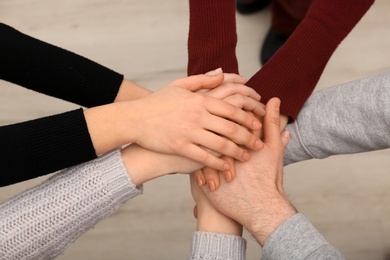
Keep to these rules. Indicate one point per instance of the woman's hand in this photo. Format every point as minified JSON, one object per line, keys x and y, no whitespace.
{"x":175,"y":120}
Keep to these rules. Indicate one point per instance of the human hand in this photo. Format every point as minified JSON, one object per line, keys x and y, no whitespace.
{"x":209,"y":219}
{"x":144,"y":165}
{"x":255,"y":198}
{"x":240,"y":96}
{"x":177,"y":121}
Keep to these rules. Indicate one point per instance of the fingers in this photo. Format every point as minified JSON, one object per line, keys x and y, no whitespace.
{"x":234,"y":78}
{"x":222,"y":145}
{"x":246,"y":103}
{"x":228,"y":89}
{"x":228,"y":77}
{"x":199,"y":177}
{"x":200,"y":155}
{"x":230,"y":174}
{"x":202,"y":81}
{"x":212,"y":178}
{"x":232,"y":133}
{"x":271,"y":122}
{"x":223,"y":109}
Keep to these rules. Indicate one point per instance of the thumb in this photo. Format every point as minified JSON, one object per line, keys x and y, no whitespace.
{"x":203,"y":81}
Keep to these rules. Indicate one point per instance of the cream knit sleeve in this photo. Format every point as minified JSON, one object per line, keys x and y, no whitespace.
{"x":42,"y":222}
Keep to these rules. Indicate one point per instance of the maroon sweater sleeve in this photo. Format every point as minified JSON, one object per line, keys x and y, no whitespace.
{"x":293,"y":72}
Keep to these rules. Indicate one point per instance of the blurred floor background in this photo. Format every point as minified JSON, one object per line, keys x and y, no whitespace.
{"x":346,"y":197}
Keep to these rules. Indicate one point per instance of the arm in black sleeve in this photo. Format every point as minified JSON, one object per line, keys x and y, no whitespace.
{"x":56,"y":72}
{"x":42,"y":146}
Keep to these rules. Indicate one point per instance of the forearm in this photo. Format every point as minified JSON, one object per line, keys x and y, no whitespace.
{"x":42,"y":146}
{"x":293,"y":72}
{"x":48,"y":69}
{"x":297,"y":238}
{"x":43,"y":229}
{"x":349,"y":118}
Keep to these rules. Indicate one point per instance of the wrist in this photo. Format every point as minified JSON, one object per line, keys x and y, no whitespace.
{"x":211,"y":220}
{"x":143,"y":165}
{"x":107,"y":127}
{"x":266,"y":221}
{"x":130,"y":91}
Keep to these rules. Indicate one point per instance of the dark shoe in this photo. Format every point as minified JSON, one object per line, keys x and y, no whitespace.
{"x":273,"y":41}
{"x":257,"y":5}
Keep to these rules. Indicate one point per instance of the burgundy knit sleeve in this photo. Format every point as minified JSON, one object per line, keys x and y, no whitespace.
{"x":42,"y":146}
{"x":294,"y":70}
{"x":48,"y":69}
{"x":212,"y":36}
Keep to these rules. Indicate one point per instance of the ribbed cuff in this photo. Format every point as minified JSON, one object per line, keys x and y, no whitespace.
{"x":209,"y":245}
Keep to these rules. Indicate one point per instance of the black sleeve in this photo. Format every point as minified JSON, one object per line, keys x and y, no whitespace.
{"x":56,"y":72}
{"x":42,"y":146}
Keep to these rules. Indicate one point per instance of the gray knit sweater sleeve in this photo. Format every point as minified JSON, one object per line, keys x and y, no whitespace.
{"x":345,"y":119}
{"x":217,"y":246}
{"x":297,"y":239}
{"x":41,"y":222}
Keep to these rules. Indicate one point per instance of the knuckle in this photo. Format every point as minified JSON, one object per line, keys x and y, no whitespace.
{"x":221,"y":143}
{"x":232,"y":128}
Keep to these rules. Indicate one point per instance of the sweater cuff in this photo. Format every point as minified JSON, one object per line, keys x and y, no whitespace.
{"x":294,"y":239}
{"x":209,"y":245}
{"x":116,"y":177}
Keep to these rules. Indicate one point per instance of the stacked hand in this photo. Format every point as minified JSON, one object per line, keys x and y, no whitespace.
{"x":178,"y":120}
{"x":255,"y":198}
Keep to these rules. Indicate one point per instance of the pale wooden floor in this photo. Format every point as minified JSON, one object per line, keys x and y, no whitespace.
{"x":346,"y":197}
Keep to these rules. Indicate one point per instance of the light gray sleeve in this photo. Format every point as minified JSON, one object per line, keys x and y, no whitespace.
{"x":345,"y":119}
{"x":297,"y":239}
{"x":42,"y":222}
{"x":209,"y":245}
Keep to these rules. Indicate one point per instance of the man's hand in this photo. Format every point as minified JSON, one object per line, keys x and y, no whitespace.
{"x":255,"y":198}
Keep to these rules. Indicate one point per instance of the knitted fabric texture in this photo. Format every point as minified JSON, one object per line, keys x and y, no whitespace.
{"x":217,"y":246}
{"x":353,"y":117}
{"x":293,"y":72}
{"x":41,"y":222}
{"x":45,"y":145}
{"x":212,"y":36}
{"x":56,"y":72}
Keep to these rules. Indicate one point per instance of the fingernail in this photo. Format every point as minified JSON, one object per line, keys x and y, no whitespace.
{"x":218,"y":71}
{"x":199,"y":181}
{"x":228,"y":176}
{"x":286,"y":134}
{"x":245,"y":156}
{"x":211,"y":185}
{"x":259,"y":144}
